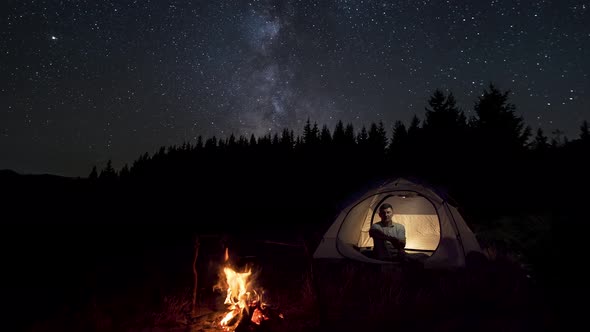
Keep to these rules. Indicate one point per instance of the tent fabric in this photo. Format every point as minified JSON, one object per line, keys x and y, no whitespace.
{"x":433,"y":226}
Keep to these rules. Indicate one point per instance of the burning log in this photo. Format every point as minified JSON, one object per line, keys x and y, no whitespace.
{"x":257,"y":318}
{"x":247,"y":311}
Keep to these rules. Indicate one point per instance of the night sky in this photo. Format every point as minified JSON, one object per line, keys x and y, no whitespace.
{"x":82,"y":82}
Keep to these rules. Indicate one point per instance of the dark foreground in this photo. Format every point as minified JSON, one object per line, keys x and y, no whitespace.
{"x":139,"y":280}
{"x":115,"y":259}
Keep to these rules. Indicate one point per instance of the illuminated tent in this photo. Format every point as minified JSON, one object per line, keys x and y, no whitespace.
{"x":436,"y":233}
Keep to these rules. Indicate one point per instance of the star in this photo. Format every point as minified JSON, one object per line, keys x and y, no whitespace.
{"x":248,"y":66}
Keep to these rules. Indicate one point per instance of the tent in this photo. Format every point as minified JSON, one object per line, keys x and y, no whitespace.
{"x":436,"y":233}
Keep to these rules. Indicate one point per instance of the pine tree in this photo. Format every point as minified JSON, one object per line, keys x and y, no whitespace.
{"x":93,"y":174}
{"x":211,"y":143}
{"x":362,"y":138}
{"x":242,"y":141}
{"x":584,"y":132}
{"x":339,"y":137}
{"x":377,"y":139}
{"x":349,"y":135}
{"x":540,"y":142}
{"x":325,"y":136}
{"x":311,"y":134}
{"x":124,"y":173}
{"x":287,"y":139}
{"x":400,"y":134}
{"x":414,"y":129}
{"x":497,"y":125}
{"x":231,"y":142}
{"x":307,"y":132}
{"x":398,"y":139}
{"x":557,"y":139}
{"x":315,"y":133}
{"x":443,"y":116}
{"x":108,"y":173}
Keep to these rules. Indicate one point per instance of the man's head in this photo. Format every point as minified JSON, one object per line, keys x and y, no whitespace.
{"x":386,"y":212}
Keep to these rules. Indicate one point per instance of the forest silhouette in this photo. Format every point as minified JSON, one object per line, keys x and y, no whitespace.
{"x":489,"y":162}
{"x":292,"y":186}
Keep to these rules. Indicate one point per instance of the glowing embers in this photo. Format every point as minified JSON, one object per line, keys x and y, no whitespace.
{"x":245,"y":304}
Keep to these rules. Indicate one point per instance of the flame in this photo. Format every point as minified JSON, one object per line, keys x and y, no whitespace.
{"x":239,"y":296}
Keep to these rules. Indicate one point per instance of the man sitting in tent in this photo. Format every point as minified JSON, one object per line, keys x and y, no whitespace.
{"x":389,"y":238}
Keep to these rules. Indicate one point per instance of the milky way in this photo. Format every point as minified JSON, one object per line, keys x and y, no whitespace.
{"x":87,"y":81}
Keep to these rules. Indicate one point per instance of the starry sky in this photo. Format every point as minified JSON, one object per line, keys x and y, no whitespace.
{"x":82,"y":82}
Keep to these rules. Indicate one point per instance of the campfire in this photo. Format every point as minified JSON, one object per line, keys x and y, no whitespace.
{"x":246,"y":307}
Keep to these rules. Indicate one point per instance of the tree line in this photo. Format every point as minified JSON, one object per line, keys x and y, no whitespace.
{"x":489,"y":158}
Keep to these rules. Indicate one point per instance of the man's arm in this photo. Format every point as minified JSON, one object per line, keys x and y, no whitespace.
{"x":400,"y":241}
{"x":397,"y":243}
{"x":377,"y":233}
